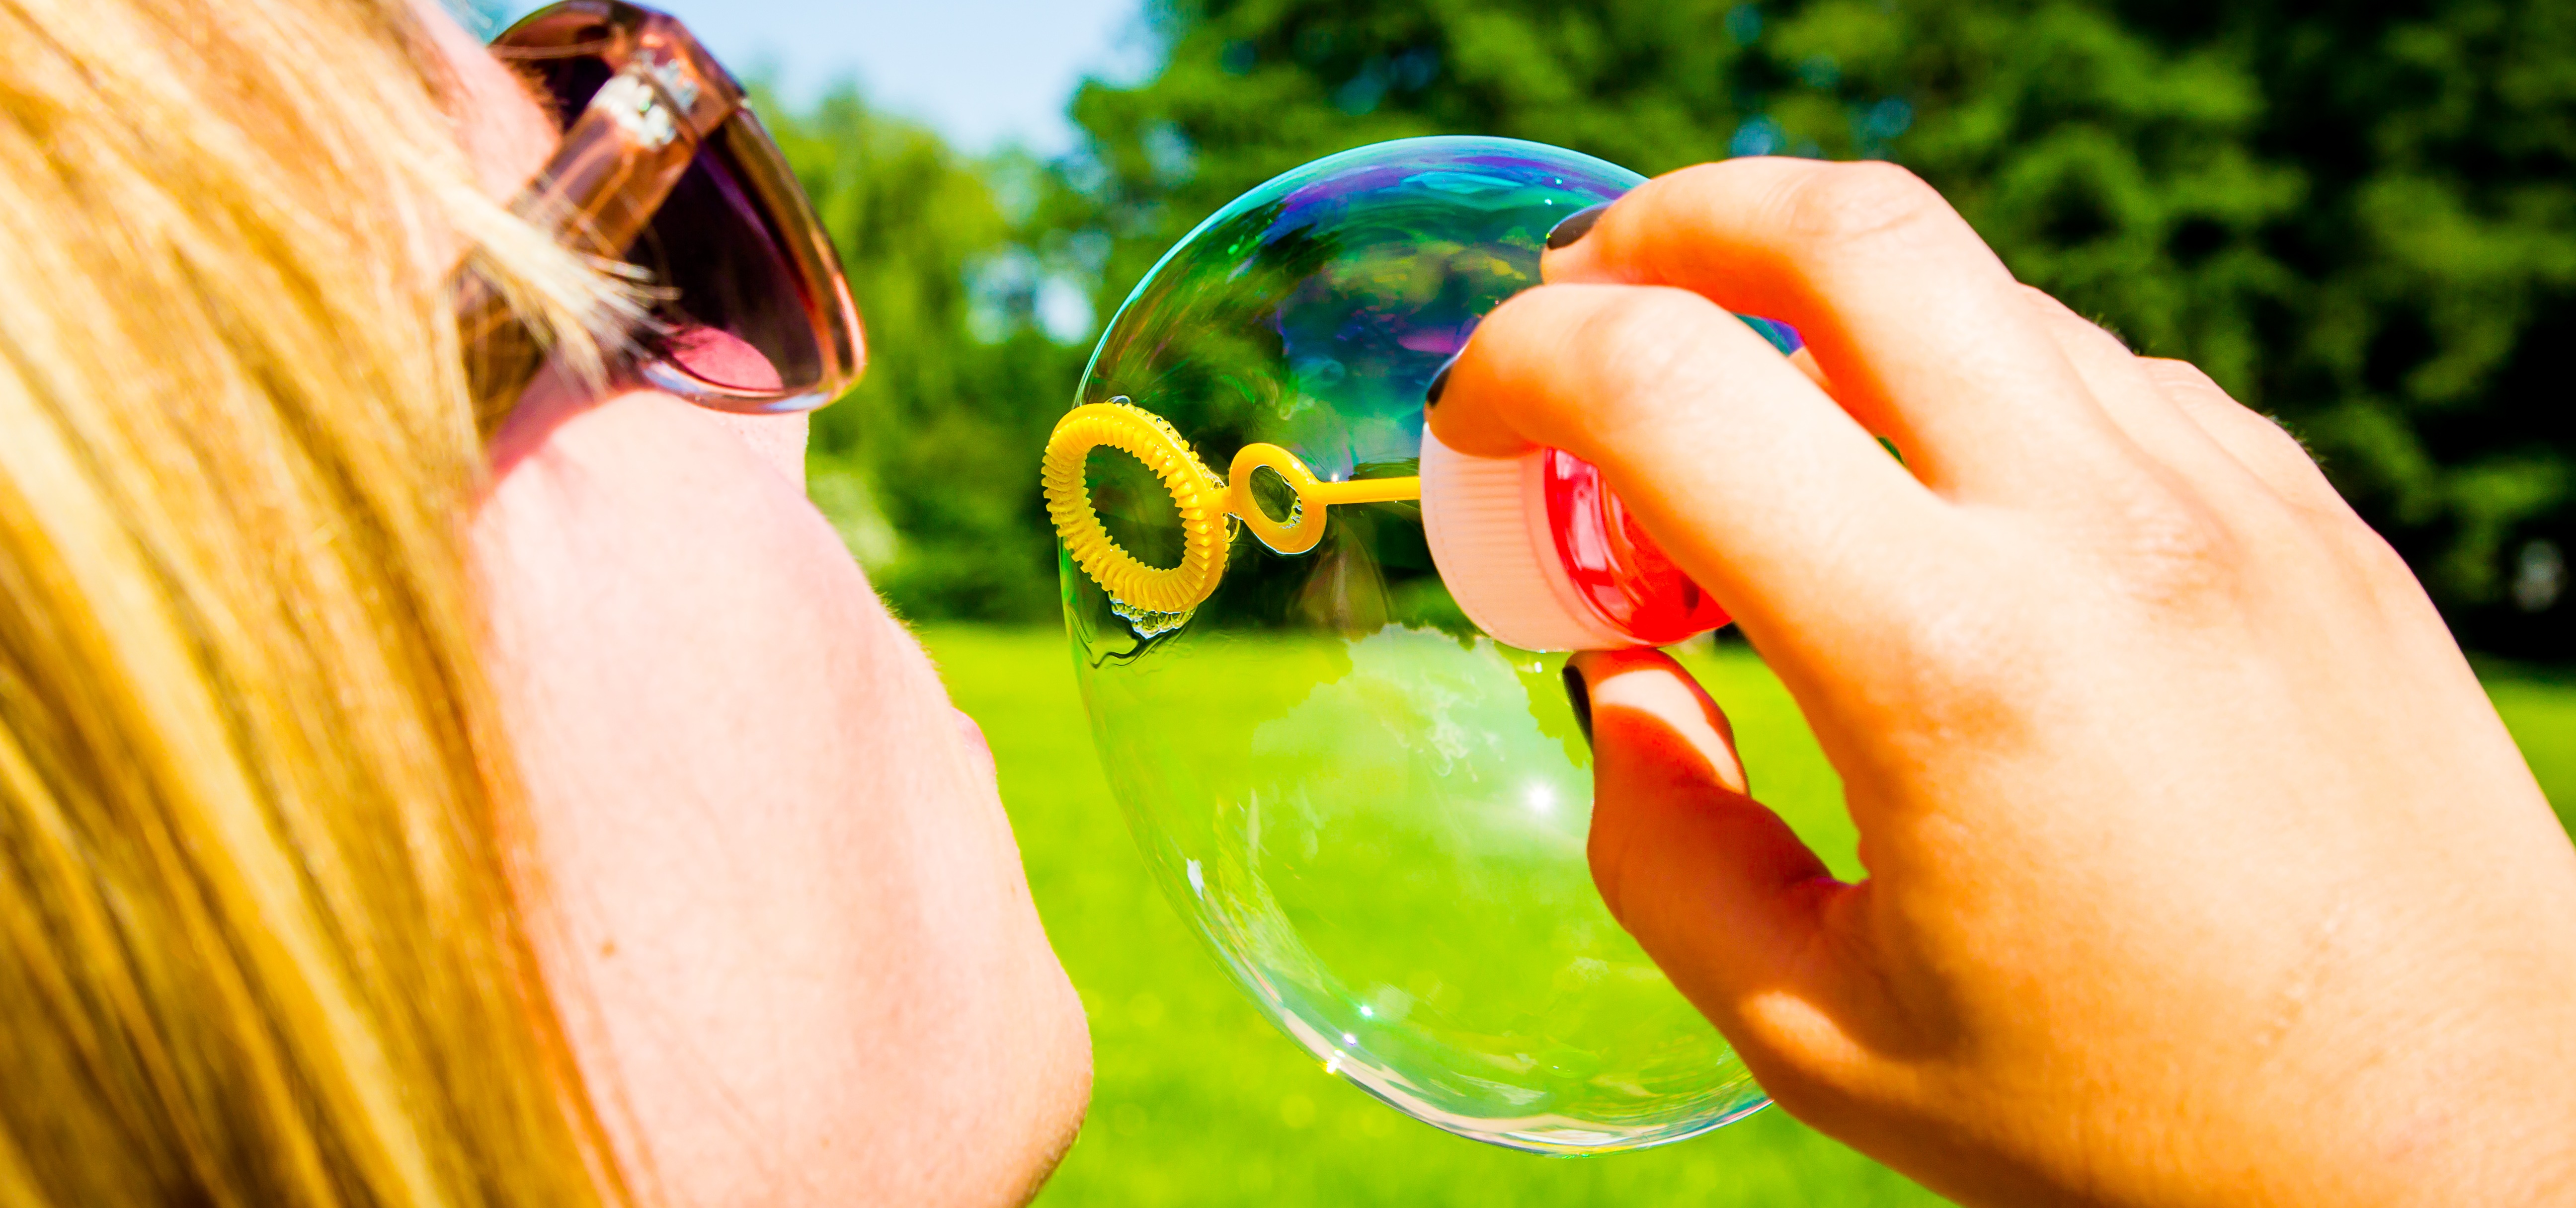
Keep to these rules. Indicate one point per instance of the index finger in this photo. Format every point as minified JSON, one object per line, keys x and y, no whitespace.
{"x":1923,"y":332}
{"x":1747,"y":474}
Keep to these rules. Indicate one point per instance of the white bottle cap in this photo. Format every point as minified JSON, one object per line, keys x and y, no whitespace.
{"x":1486,"y":518}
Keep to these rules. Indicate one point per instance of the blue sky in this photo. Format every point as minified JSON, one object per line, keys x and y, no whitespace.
{"x":981,"y":71}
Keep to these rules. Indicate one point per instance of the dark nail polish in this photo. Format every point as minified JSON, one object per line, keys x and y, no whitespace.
{"x":1579,"y":695}
{"x":1575,"y":226}
{"x":1439,"y":383}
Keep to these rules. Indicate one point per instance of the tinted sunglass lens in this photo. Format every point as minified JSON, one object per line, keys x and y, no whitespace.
{"x":737,"y":317}
{"x":573,"y":81}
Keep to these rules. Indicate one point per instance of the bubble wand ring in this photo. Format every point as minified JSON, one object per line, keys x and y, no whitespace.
{"x":1196,"y":494}
{"x":1204,"y":502}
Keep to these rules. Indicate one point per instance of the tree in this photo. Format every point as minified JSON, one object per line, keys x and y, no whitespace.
{"x":929,"y":466}
{"x":2359,"y":218}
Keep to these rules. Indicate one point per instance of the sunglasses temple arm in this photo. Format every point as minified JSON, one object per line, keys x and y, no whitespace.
{"x":615,"y":167}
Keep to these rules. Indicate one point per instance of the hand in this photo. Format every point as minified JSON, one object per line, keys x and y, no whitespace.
{"x":2200,"y":869}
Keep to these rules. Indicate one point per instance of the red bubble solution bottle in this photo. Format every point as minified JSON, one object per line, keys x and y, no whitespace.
{"x":1541,"y":555}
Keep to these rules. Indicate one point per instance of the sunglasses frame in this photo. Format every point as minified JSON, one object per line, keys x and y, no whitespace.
{"x":666,"y":102}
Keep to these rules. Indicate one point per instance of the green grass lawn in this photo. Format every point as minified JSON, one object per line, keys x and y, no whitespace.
{"x":2542,"y":717}
{"x":1199,"y":1102}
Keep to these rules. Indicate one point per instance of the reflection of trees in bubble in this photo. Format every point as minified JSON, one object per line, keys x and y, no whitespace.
{"x":1196,"y":345}
{"x":1310,"y":317}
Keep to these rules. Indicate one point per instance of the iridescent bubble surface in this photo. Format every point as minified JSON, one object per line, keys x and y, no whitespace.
{"x":1373,"y":813}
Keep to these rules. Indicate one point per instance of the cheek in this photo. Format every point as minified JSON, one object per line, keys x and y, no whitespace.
{"x":777,"y":879}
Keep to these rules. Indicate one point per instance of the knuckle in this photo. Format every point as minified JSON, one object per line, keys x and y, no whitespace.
{"x":2329,"y":559}
{"x":2378,"y":564}
{"x":2269,"y":433}
{"x":2285,"y":451}
{"x":2229,"y":419}
{"x":2047,"y":305}
{"x":1641,"y":345}
{"x":1860,"y":203}
{"x":2147,"y":548}
{"x":2065,"y":319}
{"x":1644,"y":322}
{"x":2176,"y":555}
{"x":2263,"y":444}
{"x":2180,"y":375}
{"x":2184,"y":559}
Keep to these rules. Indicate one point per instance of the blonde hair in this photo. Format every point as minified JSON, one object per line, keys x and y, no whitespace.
{"x":257,"y":939}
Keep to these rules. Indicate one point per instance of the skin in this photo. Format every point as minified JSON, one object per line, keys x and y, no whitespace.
{"x":773,"y":887}
{"x":2201,"y":871}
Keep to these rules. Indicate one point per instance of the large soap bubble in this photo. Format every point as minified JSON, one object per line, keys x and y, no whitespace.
{"x":1373,"y":813}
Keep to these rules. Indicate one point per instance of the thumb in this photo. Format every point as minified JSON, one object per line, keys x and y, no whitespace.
{"x":1716,"y":888}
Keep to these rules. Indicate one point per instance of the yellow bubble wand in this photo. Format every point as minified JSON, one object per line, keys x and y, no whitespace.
{"x":1204,"y":501}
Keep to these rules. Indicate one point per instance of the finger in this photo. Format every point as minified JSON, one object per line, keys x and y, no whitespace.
{"x":1576,"y":224}
{"x":2263,"y":447}
{"x":1805,"y":362}
{"x":1920,"y":328}
{"x":1750,"y":477}
{"x":1715,"y":887}
{"x":2133,"y":399}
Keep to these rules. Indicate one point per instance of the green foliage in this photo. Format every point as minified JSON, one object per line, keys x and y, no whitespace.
{"x":929,"y":467}
{"x":2360,"y":218}
{"x":2442,"y":253}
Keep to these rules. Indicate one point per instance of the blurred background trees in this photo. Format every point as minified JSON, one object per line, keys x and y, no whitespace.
{"x":2361,"y":218}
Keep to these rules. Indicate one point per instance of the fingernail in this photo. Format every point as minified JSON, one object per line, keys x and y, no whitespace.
{"x":1579,"y":695}
{"x":1575,"y":226}
{"x":1439,"y":383}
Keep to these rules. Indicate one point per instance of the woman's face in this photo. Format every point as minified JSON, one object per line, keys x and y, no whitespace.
{"x":776,"y":894}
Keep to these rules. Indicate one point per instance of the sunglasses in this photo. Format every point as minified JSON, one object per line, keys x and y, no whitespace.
{"x":664,"y":166}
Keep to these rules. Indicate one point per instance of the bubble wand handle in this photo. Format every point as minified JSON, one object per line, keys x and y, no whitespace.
{"x":1313,"y":496}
